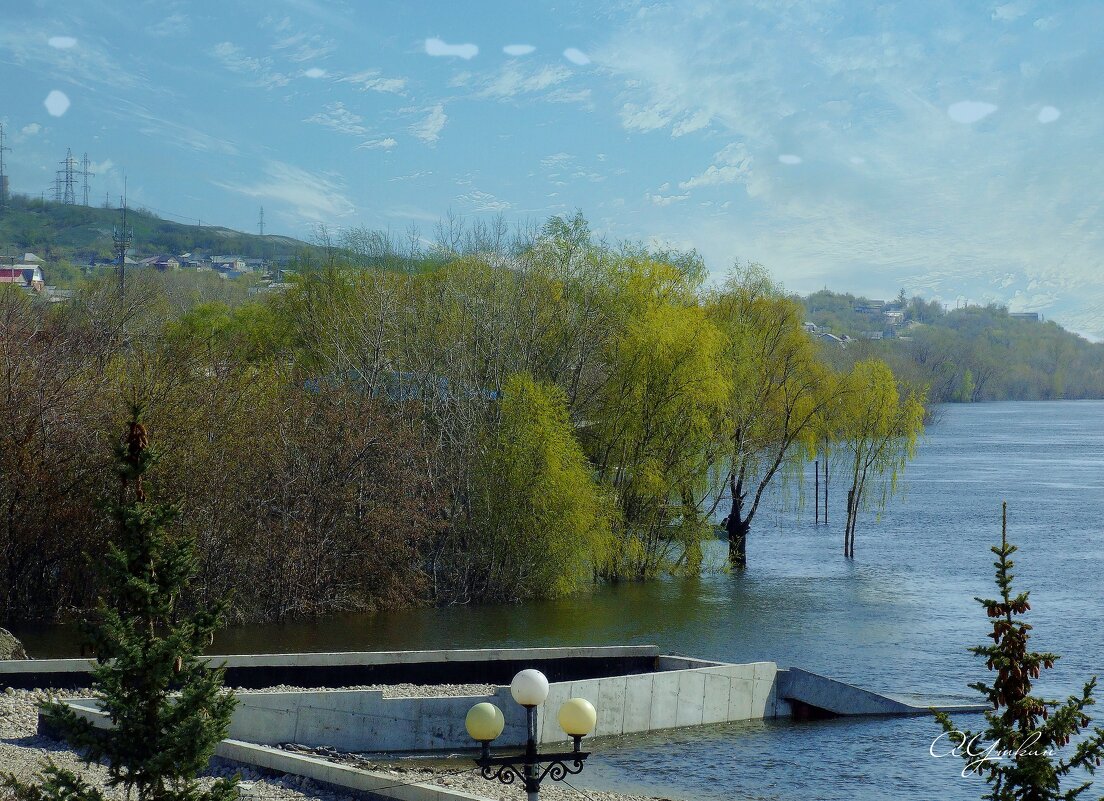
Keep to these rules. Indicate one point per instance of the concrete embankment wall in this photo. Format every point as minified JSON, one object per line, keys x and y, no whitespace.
{"x":461,"y":666}
{"x":813,"y":695}
{"x":628,"y":704}
{"x":366,"y":721}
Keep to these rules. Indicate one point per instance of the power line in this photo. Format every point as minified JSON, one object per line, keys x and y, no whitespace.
{"x":85,"y":173}
{"x":3,"y":175}
{"x":121,"y":239}
{"x":65,"y":177}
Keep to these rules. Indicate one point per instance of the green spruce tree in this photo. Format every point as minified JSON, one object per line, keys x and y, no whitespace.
{"x":168,"y":709}
{"x":1027,"y":730}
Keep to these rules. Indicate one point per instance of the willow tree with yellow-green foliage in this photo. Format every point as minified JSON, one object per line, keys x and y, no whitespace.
{"x":656,"y":416}
{"x":779,"y":394}
{"x":879,"y":427}
{"x":542,"y":524}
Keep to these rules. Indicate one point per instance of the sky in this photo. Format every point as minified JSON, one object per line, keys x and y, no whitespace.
{"x":952,"y":149}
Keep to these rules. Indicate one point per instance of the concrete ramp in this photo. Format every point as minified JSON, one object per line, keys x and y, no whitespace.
{"x":814,"y":696}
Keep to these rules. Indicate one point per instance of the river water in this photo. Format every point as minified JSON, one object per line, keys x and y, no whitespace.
{"x":898,"y":618}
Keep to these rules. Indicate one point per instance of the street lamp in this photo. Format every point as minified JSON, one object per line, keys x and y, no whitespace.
{"x":530,"y":689}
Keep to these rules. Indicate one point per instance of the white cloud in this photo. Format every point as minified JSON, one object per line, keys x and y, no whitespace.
{"x":411,"y":176}
{"x":518,"y":49}
{"x":580,"y":97}
{"x":314,"y":72}
{"x":338,"y":118}
{"x":57,"y":103}
{"x":480,"y":201}
{"x":173,"y":25}
{"x":372,"y":81}
{"x":429,"y":129}
{"x":665,"y":200}
{"x":1048,"y":114}
{"x":234,"y":59}
{"x":1010,"y":12}
{"x":169,"y":130}
{"x":438,"y":47}
{"x":968,"y":112}
{"x":377,"y":144}
{"x":31,"y":129}
{"x":304,"y":46}
{"x":730,"y":164}
{"x":556,"y":160}
{"x":513,"y":80}
{"x":576,"y":56}
{"x":312,"y":197}
{"x":789,"y":158}
{"x":102,"y":168}
{"x":89,"y":66}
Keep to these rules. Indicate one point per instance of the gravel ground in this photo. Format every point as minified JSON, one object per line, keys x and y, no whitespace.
{"x":392,"y":690}
{"x":464,"y":779}
{"x":23,"y":753}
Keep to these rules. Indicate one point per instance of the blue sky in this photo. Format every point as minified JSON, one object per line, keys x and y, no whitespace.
{"x":950,"y":148}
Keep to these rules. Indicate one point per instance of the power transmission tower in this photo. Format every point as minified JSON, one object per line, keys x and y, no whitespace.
{"x":121,"y":237}
{"x":260,"y":223}
{"x":3,"y":175}
{"x":85,"y":173}
{"x":65,"y":177}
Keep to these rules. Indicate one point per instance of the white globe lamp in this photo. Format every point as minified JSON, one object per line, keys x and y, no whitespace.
{"x":529,"y":688}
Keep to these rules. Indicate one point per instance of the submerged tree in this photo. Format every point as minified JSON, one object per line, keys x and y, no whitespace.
{"x":542,"y":523}
{"x":777,"y":401}
{"x":167,"y":708}
{"x":1026,"y":729}
{"x":880,"y":429}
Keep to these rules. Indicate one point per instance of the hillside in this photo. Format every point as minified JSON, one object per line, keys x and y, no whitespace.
{"x":75,"y":234}
{"x":975,"y":353}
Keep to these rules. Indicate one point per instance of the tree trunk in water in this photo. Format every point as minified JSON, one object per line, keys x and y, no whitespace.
{"x":736,"y":524}
{"x":737,"y":529}
{"x":849,"y":528}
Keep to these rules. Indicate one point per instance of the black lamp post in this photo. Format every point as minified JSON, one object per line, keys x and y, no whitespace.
{"x":530,"y":689}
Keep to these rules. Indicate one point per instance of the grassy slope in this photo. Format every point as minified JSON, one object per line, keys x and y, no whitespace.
{"x":77,"y":233}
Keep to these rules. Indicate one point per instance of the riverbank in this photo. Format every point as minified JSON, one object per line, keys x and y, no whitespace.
{"x":23,"y":752}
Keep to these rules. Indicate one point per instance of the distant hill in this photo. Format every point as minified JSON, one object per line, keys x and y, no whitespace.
{"x":975,"y":353}
{"x":75,"y":234}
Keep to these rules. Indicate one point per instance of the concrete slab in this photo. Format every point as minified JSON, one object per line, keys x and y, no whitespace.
{"x":715,"y":708}
{"x":664,"y":712}
{"x":611,"y":707}
{"x":691,"y":698}
{"x":638,"y":704}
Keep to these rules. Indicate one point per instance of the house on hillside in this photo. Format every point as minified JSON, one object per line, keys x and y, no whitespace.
{"x":870,"y":307}
{"x":1031,"y":316}
{"x":162,"y":262}
{"x":830,"y":339}
{"x":25,"y":276}
{"x":225,"y":264}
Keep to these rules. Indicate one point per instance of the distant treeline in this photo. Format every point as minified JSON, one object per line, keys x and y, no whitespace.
{"x":975,"y":353}
{"x":537,"y":412}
